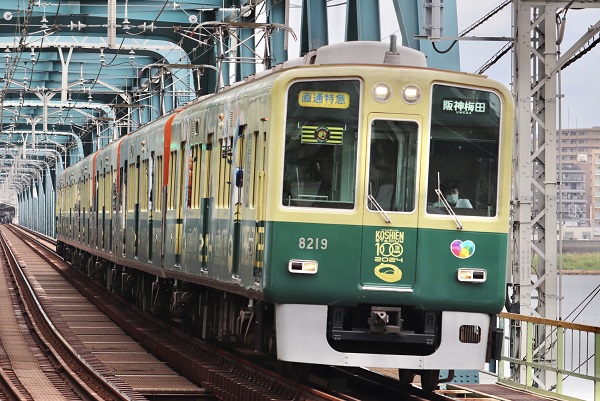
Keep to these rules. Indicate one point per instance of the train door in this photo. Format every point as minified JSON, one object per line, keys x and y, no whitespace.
{"x":181,"y":166}
{"x":136,"y":207}
{"x":390,"y":214}
{"x":113,"y":207}
{"x":257,"y":196}
{"x":97,"y":194}
{"x":82,"y":210}
{"x":237,"y":199}
{"x":78,"y":209}
{"x":150,"y":195}
{"x":206,"y":200}
{"x":123,"y":208}
{"x":193,"y":226}
{"x":102,"y":197}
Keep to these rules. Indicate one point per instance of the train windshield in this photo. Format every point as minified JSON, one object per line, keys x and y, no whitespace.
{"x":463,"y":151}
{"x":392,"y":169}
{"x":320,"y":144}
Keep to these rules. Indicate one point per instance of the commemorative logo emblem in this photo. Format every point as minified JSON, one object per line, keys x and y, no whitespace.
{"x":322,"y":134}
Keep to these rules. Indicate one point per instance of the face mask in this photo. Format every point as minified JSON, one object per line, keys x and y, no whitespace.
{"x":453,"y":198}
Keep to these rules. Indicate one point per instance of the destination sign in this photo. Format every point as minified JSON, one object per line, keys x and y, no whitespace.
{"x":322,"y":99}
{"x":464,"y":106}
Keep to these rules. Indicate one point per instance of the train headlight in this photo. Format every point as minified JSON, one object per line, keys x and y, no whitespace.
{"x":303,"y":266}
{"x":382,"y":93}
{"x":472,"y":275}
{"x":411,"y":94}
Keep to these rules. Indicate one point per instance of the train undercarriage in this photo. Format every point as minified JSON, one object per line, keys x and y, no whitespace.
{"x":201,"y":311}
{"x":216,"y":315}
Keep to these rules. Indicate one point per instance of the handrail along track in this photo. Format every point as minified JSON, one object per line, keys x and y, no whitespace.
{"x":552,"y":356}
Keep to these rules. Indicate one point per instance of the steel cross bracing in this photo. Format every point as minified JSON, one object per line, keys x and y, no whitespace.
{"x":537,"y":63}
{"x":77,"y":75}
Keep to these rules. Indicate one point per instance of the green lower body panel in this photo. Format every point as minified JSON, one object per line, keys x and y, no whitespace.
{"x":384,"y":266}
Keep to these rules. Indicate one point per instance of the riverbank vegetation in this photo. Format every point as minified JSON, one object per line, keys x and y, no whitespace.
{"x":587,"y":263}
{"x":581,"y":261}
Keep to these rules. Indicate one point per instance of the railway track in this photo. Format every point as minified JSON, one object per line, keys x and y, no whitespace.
{"x":36,"y":364}
{"x":222,"y":375}
{"x":104,"y":363}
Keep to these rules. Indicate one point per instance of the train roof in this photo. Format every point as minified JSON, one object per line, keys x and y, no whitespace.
{"x":358,"y":52}
{"x":363,"y":52}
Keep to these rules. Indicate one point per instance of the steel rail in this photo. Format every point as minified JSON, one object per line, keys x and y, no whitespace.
{"x":23,"y":281}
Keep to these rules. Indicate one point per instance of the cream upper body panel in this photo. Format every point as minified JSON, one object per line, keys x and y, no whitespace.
{"x":397,"y":78}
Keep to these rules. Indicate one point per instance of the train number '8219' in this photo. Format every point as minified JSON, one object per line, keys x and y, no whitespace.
{"x":312,"y":243}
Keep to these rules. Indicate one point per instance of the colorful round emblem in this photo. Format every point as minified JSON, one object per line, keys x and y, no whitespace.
{"x":462,"y":250}
{"x":322,"y":134}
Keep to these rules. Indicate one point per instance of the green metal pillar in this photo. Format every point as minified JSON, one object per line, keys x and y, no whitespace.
{"x":410,"y":16}
{"x":362,"y":21}
{"x":313,"y":26}
{"x":276,"y":14}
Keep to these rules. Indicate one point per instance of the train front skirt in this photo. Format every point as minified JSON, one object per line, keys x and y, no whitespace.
{"x":301,"y":337}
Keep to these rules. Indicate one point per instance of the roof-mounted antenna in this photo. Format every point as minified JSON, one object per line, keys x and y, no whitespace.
{"x":393,"y":55}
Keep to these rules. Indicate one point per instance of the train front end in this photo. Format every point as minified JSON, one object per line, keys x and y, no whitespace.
{"x":369,"y":259}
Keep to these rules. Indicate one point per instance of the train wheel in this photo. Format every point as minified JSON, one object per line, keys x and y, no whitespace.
{"x":406,"y":376}
{"x":430,"y":380}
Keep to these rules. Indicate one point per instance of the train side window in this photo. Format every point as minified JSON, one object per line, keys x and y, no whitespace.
{"x":96,"y":193}
{"x":464,"y":147}
{"x":84,"y":223}
{"x":111,"y":191}
{"x":197,"y":175}
{"x":224,"y":178}
{"x":78,"y":194}
{"x":172,"y":186}
{"x":151,"y":182}
{"x":131,"y":188}
{"x":206,"y":171}
{"x":180,"y":179}
{"x":240,"y":163}
{"x":123,"y":188}
{"x":86,"y":191}
{"x":159,"y":183}
{"x":253,"y":168}
{"x":100,"y":182}
{"x":321,"y":144}
{"x":193,"y":177}
{"x":194,"y":170}
{"x":144,"y":186}
{"x":220,"y":173}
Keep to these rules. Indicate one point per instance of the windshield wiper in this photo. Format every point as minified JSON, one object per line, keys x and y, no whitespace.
{"x":378,"y":207}
{"x":449,"y":209}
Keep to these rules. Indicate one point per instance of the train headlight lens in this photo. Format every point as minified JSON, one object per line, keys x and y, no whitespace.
{"x":411,"y":94}
{"x":382,"y":93}
{"x":303,"y":266}
{"x":472,"y":275}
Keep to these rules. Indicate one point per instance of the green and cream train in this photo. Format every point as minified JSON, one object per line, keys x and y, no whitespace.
{"x":305,"y":212}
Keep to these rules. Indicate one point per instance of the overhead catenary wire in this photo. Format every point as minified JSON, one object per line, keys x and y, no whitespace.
{"x":187,"y":55}
{"x":31,"y":68}
{"x":474,"y":26}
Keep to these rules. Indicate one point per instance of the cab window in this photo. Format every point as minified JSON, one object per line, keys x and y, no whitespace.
{"x":463,"y":151}
{"x":392,"y":166}
{"x":321,"y":144}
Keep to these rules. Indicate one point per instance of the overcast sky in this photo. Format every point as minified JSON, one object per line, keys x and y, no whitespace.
{"x":580,"y":81}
